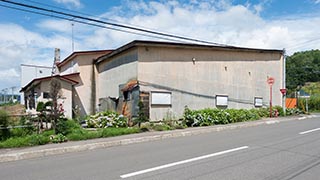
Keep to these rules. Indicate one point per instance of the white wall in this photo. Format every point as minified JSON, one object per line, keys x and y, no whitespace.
{"x":240,"y":75}
{"x":30,"y":72}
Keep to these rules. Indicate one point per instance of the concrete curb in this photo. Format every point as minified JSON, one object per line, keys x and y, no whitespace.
{"x":165,"y":135}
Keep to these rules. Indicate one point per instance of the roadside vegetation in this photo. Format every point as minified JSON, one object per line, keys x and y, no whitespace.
{"x":32,"y":131}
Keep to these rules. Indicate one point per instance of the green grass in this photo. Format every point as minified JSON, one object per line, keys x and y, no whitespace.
{"x":29,"y":140}
{"x":82,"y":134}
{"x":75,"y":135}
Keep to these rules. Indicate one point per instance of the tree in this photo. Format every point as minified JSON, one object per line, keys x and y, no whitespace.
{"x":55,"y":93}
{"x":302,"y":67}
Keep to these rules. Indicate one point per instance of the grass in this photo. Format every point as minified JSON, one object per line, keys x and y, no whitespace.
{"x":82,"y":134}
{"x":29,"y":140}
{"x":75,"y":135}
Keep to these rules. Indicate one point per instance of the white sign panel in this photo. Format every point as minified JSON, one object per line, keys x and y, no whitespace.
{"x":160,"y":98}
{"x":258,"y":102}
{"x":221,"y":100}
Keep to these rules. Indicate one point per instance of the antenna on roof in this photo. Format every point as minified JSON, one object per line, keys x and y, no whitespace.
{"x":72,"y":34}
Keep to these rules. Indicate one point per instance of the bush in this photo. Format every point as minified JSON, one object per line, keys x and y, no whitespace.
{"x":4,"y":123}
{"x":106,"y":119}
{"x":21,"y":132}
{"x":59,"y":138}
{"x":65,"y":126}
{"x":208,"y":117}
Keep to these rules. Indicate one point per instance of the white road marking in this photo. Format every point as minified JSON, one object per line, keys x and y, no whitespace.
{"x":183,"y":162}
{"x":309,"y":131}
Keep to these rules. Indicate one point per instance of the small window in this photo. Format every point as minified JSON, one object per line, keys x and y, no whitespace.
{"x":221,"y":100}
{"x":258,"y":102}
{"x":46,"y":95}
{"x":161,"y":98}
{"x":126,"y":95}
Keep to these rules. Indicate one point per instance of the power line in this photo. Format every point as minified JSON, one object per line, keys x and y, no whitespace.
{"x":90,"y":15}
{"x":87,"y":23}
{"x":303,"y":43}
{"x":111,"y":24}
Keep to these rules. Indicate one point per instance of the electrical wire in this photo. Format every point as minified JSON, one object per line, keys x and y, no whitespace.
{"x":87,"y":23}
{"x":112,"y":24}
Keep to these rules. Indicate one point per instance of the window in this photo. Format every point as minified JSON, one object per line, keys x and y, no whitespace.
{"x":161,"y":98}
{"x":258,"y":102}
{"x":46,"y":95}
{"x":222,"y":100}
{"x":126,"y":95}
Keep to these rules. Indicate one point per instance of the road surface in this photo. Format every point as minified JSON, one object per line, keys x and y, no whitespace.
{"x":286,"y":150}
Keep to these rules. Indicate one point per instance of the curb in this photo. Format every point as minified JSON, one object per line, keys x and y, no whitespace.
{"x":166,"y":135}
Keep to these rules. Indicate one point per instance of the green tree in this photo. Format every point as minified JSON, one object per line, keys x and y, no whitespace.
{"x":302,"y":67}
{"x":55,"y":93}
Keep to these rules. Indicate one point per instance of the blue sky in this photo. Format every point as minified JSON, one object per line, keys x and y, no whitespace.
{"x":27,"y":38}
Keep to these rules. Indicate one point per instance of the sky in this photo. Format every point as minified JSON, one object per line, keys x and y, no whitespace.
{"x":27,"y":38}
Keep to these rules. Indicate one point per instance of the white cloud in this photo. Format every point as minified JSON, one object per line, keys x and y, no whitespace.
{"x":75,"y":3}
{"x":21,"y":46}
{"x":317,"y":1}
{"x":216,"y":21}
{"x":221,"y":22}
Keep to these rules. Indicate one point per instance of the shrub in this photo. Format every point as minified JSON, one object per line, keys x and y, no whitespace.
{"x":40,"y":106}
{"x":59,"y":138}
{"x":106,"y":119}
{"x":207,"y":117}
{"x":65,"y":126}
{"x":4,"y":123}
{"x":20,"y":132}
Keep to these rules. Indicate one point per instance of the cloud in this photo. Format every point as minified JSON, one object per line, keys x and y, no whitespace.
{"x":217,"y":21}
{"x":220,"y":22}
{"x":22,"y":46}
{"x":317,"y":1}
{"x":74,"y":3}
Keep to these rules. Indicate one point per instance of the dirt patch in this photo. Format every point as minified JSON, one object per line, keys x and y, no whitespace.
{"x":17,"y":109}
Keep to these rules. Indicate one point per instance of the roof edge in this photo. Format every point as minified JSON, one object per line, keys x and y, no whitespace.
{"x":137,"y":43}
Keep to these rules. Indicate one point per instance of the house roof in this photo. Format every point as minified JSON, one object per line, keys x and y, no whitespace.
{"x":47,"y":78}
{"x":78,"y":53}
{"x":137,"y":43}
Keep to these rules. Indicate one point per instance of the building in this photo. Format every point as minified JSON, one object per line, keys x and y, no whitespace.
{"x":30,"y":72}
{"x":77,"y":77}
{"x":166,"y":77}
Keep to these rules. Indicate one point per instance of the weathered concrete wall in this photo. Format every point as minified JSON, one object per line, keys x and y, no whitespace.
{"x":84,"y":98}
{"x":115,"y":71}
{"x":196,"y":76}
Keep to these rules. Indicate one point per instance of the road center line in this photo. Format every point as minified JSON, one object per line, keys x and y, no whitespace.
{"x":182,"y":162}
{"x":309,"y":131}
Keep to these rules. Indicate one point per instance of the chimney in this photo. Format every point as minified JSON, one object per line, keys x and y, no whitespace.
{"x":56,"y":61}
{"x":56,"y":55}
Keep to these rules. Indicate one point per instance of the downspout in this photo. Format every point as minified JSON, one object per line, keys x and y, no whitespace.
{"x":93,"y":89}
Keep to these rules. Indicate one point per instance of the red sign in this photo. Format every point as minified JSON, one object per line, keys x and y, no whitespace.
{"x":283,"y":91}
{"x":270,"y":81}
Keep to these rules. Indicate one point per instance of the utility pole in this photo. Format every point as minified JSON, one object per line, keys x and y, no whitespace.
{"x":12,"y":95}
{"x":5,"y":95}
{"x":72,"y":33}
{"x":284,"y":82}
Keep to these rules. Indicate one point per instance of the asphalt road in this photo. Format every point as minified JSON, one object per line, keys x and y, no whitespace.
{"x":287,"y":150}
